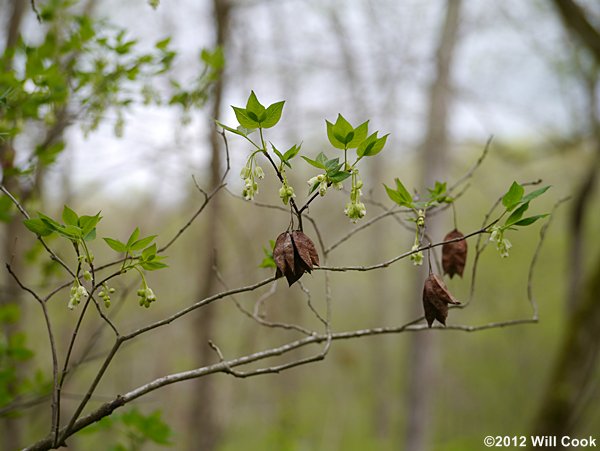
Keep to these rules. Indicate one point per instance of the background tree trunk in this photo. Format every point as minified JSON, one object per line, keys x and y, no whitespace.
{"x":204,"y":427}
{"x":11,"y":427}
{"x":572,"y":380}
{"x":422,"y":356}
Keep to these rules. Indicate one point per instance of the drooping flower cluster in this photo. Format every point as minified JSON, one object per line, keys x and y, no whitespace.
{"x":321,"y":179}
{"x":286,"y":192}
{"x":249,"y":174}
{"x":105,"y":294}
{"x":78,"y":292}
{"x":146,"y":296}
{"x":417,"y":257}
{"x":355,"y":209}
{"x":502,"y":244}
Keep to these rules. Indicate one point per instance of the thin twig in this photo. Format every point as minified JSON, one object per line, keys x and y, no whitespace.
{"x":52,"y":254}
{"x":389,"y":212}
{"x":207,"y":198}
{"x":226,"y":366}
{"x":197,"y":305}
{"x":260,"y":320}
{"x":401,"y":256}
{"x":55,"y":390}
{"x":36,"y":12}
{"x":474,"y":168}
{"x":310,"y":305}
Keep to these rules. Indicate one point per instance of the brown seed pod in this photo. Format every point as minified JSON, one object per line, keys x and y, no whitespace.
{"x":454,"y":255}
{"x":436,"y":298}
{"x":294,"y":253}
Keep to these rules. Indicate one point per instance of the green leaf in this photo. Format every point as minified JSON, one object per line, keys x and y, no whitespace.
{"x":322,"y":158}
{"x":438,"y":193}
{"x":116,"y":245}
{"x":273,"y":114}
{"x":150,"y":427}
{"x":255,"y":109}
{"x":215,"y":58}
{"x":71,"y":232}
{"x":149,"y":252}
{"x":516,"y":215}
{"x":316,"y":164}
{"x":532,"y":195}
{"x":49,"y":222}
{"x":394,"y":195}
{"x":292,"y":152}
{"x":528,"y":221}
{"x":90,"y":236}
{"x":142,"y":243}
{"x":341,"y":133}
{"x":6,"y":209}
{"x":9,"y":313}
{"x":268,"y":261}
{"x":400,"y":195}
{"x":88,"y":223}
{"x":38,"y":227}
{"x":163,"y":44}
{"x":367,"y":145}
{"x":153,"y":265}
{"x":230,"y":129}
{"x":278,"y":153}
{"x":333,"y":139}
{"x":360,"y":133}
{"x":333,"y":165}
{"x":242,"y":116}
{"x":513,"y":196}
{"x":403,"y":191}
{"x":338,"y":176}
{"x":133,"y":237}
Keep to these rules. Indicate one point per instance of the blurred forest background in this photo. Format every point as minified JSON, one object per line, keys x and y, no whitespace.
{"x":441,"y":76}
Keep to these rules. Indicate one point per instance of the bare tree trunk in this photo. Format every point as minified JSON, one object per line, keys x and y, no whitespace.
{"x":203,"y":427}
{"x":568,"y":393}
{"x":11,"y":430}
{"x":422,"y":362}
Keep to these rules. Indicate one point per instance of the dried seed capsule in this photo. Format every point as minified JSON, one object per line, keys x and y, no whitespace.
{"x":294,"y":254}
{"x":436,"y":298}
{"x":454,"y":255}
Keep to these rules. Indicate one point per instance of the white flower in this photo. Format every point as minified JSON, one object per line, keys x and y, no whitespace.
{"x":355,"y":210}
{"x":417,"y":257}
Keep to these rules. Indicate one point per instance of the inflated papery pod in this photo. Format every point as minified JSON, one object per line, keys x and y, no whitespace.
{"x":436,"y":298}
{"x":454,"y":255}
{"x":294,"y":254}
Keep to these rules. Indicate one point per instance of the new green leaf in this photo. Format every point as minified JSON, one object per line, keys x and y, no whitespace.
{"x":532,"y":195}
{"x":244,"y":119}
{"x":116,"y":245}
{"x":273,"y":115}
{"x":69,"y":216}
{"x":38,"y":227}
{"x":513,"y":196}
{"x":528,"y":221}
